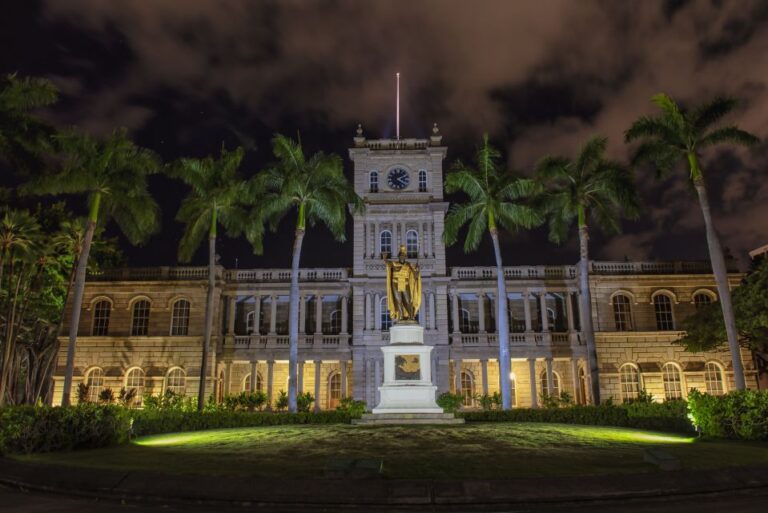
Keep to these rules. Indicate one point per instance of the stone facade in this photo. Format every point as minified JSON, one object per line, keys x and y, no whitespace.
{"x":153,"y":334}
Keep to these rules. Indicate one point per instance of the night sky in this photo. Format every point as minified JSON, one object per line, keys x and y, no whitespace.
{"x":540,"y":77}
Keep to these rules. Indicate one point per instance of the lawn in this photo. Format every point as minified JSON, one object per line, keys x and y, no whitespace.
{"x":493,"y":450}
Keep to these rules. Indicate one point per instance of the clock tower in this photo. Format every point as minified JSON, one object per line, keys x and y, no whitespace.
{"x":401,"y":183}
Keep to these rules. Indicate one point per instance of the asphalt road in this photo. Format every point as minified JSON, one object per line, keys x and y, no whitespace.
{"x":17,"y":501}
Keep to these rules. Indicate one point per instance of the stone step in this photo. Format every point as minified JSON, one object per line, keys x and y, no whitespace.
{"x":408,"y":416}
{"x":401,"y":422}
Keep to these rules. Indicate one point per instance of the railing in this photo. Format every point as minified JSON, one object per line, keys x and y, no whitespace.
{"x":397,"y":144}
{"x":153,"y":273}
{"x":492,"y":339}
{"x":515,"y":273}
{"x":694,"y":267}
{"x":282,"y":341}
{"x":284,"y":275}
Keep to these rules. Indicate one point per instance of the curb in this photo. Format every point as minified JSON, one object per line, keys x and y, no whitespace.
{"x":153,"y":487}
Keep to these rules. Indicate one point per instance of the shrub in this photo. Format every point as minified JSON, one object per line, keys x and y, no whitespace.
{"x":127,"y":398}
{"x":741,"y":414}
{"x":281,"y":403}
{"x":28,"y":429}
{"x":83,"y":391}
{"x":353,"y":408}
{"x":244,"y":401}
{"x":304,"y":401}
{"x":450,"y":403}
{"x":106,"y":396}
{"x":169,"y":401}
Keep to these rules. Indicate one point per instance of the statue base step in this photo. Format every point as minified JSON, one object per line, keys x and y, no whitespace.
{"x":385,"y":419}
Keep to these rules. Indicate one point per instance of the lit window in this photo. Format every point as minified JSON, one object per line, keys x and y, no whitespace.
{"x":386,"y":319}
{"x":622,"y":313}
{"x":630,"y":381}
{"x":180,"y":318}
{"x":412,"y":243}
{"x":140,"y":320}
{"x":176,"y":381}
{"x":101,"y":313}
{"x":422,"y":181}
{"x":713,"y":377}
{"x":373,"y":181}
{"x":662,"y":305}
{"x":673,"y":386}
{"x":134,"y":380}
{"x":95,"y":383}
{"x":555,"y":384}
{"x":247,"y":383}
{"x":334,"y":390}
{"x":701,"y":299}
{"x":467,"y":388}
{"x":385,"y":242}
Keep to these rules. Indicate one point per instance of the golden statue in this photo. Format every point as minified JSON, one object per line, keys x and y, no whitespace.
{"x":403,"y":288}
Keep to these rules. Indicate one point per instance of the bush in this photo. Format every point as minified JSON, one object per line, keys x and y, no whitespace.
{"x":28,"y":429}
{"x":304,"y":401}
{"x":281,"y":403}
{"x":170,"y":401}
{"x":450,"y":403}
{"x":244,"y":401}
{"x":489,"y":402}
{"x":741,"y":414}
{"x":353,"y":408}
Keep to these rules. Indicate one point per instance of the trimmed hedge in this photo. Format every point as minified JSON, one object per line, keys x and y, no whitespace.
{"x":741,"y":414}
{"x":28,"y":429}
{"x":671,"y":416}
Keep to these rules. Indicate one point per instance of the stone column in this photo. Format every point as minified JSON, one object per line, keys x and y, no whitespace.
{"x":377,"y":312}
{"x":457,"y":375}
{"x":376,"y":240}
{"x":344,"y":320}
{"x":569,"y":310}
{"x":302,"y":313}
{"x":343,"y":371}
{"x":254,"y":373}
{"x":455,"y":311}
{"x":422,"y":314}
{"x":550,"y":377}
{"x":484,"y":368}
{"x":575,"y":380}
{"x":227,"y":379}
{"x":318,"y":315}
{"x":367,"y":314}
{"x":367,"y":382}
{"x":376,"y":380}
{"x":432,"y":312}
{"x":588,"y":376}
{"x":318,"y":366}
{"x":270,"y":379}
{"x":532,"y":373}
{"x":231,"y":315}
{"x":544,"y":316}
{"x":494,"y":311}
{"x":481,"y":312}
{"x":300,"y":378}
{"x":402,"y":237}
{"x":273,"y":315}
{"x":420,"y":247}
{"x":527,"y":310}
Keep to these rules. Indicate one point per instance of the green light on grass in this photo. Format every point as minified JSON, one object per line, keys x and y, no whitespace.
{"x":175,"y":439}
{"x":631,"y":436}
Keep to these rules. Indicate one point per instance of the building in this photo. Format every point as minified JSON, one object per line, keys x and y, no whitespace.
{"x":143,"y":328}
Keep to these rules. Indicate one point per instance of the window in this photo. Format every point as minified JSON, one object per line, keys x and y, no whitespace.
{"x":101,"y":313}
{"x":386,"y":319}
{"x":385,"y":242}
{"x":713,"y":377}
{"x":662,"y":305}
{"x":334,"y":390}
{"x":622,"y":313}
{"x":250,"y":322}
{"x":465,"y":322}
{"x":373,"y":181}
{"x":180,"y":318}
{"x":545,"y":384}
{"x":335,"y":322}
{"x":467,"y":388}
{"x":134,"y":380}
{"x":247,"y":383}
{"x":701,"y":298}
{"x":630,"y":381}
{"x":422,"y":180}
{"x":176,"y":381}
{"x":140,"y":321}
{"x":673,"y":386}
{"x":412,"y":243}
{"x":95,"y":383}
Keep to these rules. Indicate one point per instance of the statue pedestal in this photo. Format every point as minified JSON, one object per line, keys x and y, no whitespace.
{"x":407,"y":384}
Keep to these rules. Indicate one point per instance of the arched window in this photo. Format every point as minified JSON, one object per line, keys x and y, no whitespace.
{"x":465,"y":321}
{"x":180,"y":318}
{"x":513,"y":388}
{"x":101,"y":313}
{"x":467,"y":388}
{"x":140,"y":318}
{"x":385,"y":242}
{"x":95,"y":382}
{"x":373,"y":181}
{"x":247,"y":383}
{"x":630,"y":381}
{"x":673,"y":383}
{"x":662,"y":305}
{"x":176,"y":381}
{"x":701,"y":298}
{"x":386,"y":319}
{"x":422,"y":180}
{"x":134,"y":380}
{"x":334,"y":390}
{"x":622,"y":312}
{"x":713,"y":377}
{"x":412,"y":243}
{"x":250,"y":318}
{"x":335,"y":322}
{"x":545,"y":384}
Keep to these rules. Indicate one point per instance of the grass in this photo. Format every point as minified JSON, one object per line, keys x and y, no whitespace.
{"x":493,"y":450}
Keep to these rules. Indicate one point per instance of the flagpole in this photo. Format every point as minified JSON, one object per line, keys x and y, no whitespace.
{"x":397,"y":112}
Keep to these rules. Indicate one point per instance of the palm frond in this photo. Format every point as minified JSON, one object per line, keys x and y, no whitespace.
{"x":728,"y":134}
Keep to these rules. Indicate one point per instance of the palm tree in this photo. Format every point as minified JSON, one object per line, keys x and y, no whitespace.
{"x":318,"y":192}
{"x":216,"y":197}
{"x":588,"y":189}
{"x":496,"y":197}
{"x":677,"y":135}
{"x":112,"y":175}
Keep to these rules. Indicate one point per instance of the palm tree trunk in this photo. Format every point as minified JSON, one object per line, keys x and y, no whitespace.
{"x":9,"y":349}
{"x":502,"y":323}
{"x":77,"y":299}
{"x":721,"y":279}
{"x":585,"y":311}
{"x":208,"y":321}
{"x":293,"y":324}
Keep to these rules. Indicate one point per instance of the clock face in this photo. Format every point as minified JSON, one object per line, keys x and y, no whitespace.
{"x":398,"y":178}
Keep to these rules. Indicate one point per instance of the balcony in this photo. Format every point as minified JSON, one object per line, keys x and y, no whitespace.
{"x":240,"y":342}
{"x":530,"y":339}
